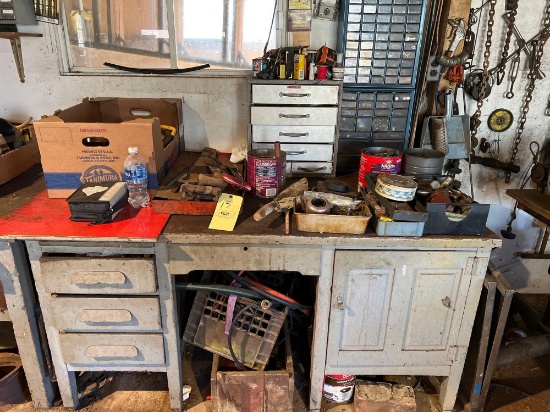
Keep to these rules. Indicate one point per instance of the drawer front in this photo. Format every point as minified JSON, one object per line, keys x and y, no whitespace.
{"x":106,"y":314}
{"x":302,"y":152}
{"x":112,"y":349}
{"x":185,"y":258}
{"x":294,"y":116}
{"x":98,"y":275}
{"x":294,"y":94}
{"x":310,"y":168}
{"x":293,"y":134}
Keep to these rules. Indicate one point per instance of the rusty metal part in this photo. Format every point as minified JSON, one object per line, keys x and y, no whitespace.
{"x":453,"y":61}
{"x":294,"y":190}
{"x":513,"y":76}
{"x":485,"y":78}
{"x":206,"y":180}
{"x":511,"y":22}
{"x":317,"y":205}
{"x":495,"y":164}
{"x":13,"y":386}
{"x":538,"y":50}
{"x":523,"y":45}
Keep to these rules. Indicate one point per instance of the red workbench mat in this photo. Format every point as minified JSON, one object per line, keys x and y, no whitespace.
{"x":43,"y":217}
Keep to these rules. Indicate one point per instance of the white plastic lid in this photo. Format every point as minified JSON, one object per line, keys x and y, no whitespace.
{"x":133,"y":150}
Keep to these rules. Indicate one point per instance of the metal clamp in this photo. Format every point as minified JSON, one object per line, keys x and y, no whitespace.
{"x":294,"y":116}
{"x":281,"y":94}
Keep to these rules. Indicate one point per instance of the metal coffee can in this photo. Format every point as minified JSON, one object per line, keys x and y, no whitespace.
{"x":379,"y":160}
{"x":265,"y":172}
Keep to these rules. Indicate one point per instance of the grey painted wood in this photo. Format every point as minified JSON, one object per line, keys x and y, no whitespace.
{"x":18,"y":290}
{"x":170,"y":321}
{"x":105,"y":275}
{"x":184,"y":258}
{"x":116,"y":314}
{"x":108,"y":348}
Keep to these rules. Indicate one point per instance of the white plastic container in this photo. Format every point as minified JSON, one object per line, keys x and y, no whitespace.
{"x":135,"y":174}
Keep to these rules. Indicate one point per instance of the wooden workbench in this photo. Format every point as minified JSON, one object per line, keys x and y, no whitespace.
{"x":384,"y":305}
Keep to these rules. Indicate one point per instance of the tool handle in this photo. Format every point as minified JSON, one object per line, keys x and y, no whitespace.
{"x":233,"y":181}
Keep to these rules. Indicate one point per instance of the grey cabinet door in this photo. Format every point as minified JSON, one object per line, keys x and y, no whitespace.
{"x":397,"y":308}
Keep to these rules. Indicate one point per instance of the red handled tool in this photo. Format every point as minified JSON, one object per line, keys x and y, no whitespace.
{"x":233,"y":181}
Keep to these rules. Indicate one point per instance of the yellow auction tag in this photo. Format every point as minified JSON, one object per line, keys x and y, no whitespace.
{"x":226,"y":213}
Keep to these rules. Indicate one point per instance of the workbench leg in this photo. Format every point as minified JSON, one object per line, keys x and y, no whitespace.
{"x":18,"y":289}
{"x":320,"y":330}
{"x":449,"y":386}
{"x":169,"y":311}
{"x":66,"y":380}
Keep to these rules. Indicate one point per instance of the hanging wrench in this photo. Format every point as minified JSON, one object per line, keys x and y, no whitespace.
{"x":513,"y":76}
{"x":458,"y":33}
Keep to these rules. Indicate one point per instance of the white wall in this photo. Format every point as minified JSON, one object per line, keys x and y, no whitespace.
{"x":489,"y":184}
{"x":216,"y":114}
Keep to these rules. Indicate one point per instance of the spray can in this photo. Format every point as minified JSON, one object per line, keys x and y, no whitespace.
{"x":299,"y":66}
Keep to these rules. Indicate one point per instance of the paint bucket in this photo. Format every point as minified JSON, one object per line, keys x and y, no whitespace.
{"x":378,"y":160}
{"x":322,"y":71}
{"x":265,"y":172}
{"x":339,"y":388}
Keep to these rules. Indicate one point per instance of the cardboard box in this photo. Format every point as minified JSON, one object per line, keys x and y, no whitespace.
{"x":89,"y":142}
{"x":15,"y":162}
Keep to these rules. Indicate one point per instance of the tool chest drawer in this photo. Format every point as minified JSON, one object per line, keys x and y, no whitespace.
{"x":294,"y":94}
{"x":310,"y":168}
{"x":90,"y":275}
{"x":302,"y":116}
{"x":293,"y":134}
{"x":112,"y":349}
{"x":114,"y":314}
{"x":309,"y":152}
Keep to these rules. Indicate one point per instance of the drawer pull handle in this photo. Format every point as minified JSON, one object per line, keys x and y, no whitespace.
{"x":112,"y":351}
{"x":294,"y":116}
{"x":312,"y":169}
{"x":294,"y":134}
{"x":97,"y":278}
{"x":294,"y":94}
{"x":296,"y":153}
{"x":104,"y":315}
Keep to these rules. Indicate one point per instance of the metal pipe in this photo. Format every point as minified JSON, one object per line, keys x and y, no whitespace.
{"x":526,"y":348}
{"x":230,"y":290}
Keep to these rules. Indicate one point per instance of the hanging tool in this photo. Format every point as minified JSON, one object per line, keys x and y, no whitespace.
{"x":475,"y":122}
{"x":500,"y":120}
{"x":513,"y":76}
{"x":537,"y":53}
{"x":521,"y":42}
{"x":473,"y":82}
{"x":455,"y":74}
{"x":511,"y":22}
{"x":458,"y":33}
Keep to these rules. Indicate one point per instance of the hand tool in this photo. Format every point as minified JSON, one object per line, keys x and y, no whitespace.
{"x":283,"y":200}
{"x":236,"y":182}
{"x":205,"y":180}
{"x":513,"y":76}
{"x":457,"y":33}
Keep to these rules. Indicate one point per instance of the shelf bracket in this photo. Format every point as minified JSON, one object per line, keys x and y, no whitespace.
{"x":18,"y":57}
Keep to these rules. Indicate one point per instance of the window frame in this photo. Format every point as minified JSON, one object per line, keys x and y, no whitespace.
{"x":67,"y":67}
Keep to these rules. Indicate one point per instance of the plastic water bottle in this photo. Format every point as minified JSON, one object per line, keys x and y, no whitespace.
{"x":135,"y":171}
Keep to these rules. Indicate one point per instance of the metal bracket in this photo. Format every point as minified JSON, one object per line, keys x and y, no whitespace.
{"x":326,"y":9}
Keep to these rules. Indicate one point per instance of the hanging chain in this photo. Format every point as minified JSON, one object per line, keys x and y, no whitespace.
{"x":475,"y":122}
{"x":534,"y":66}
{"x":511,"y":22}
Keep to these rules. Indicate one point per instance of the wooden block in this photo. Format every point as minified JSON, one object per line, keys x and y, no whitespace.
{"x":383,"y":397}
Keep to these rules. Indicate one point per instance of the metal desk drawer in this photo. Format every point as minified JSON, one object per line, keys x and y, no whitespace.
{"x":298,"y":116}
{"x":293,"y":134}
{"x":106,"y":314}
{"x":294,"y":94}
{"x":112,"y":349}
{"x":310,"y":168}
{"x":89,"y":275}
{"x":302,"y":152}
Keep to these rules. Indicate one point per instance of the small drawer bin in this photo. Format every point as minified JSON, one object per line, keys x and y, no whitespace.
{"x":294,"y":94}
{"x":112,"y":349}
{"x":86,"y":275}
{"x":298,"y":116}
{"x":120,"y":314}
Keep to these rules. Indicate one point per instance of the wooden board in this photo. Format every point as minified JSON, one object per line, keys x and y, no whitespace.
{"x":531,"y":200}
{"x":45,"y":218}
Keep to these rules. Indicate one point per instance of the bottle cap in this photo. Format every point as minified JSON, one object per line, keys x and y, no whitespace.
{"x":133,"y":150}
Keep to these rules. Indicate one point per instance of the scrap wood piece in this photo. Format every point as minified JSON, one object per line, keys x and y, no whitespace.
{"x":280,"y":202}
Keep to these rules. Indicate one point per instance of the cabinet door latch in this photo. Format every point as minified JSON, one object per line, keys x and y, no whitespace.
{"x":340,"y":302}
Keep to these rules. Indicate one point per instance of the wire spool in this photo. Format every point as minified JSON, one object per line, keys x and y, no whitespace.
{"x":438,"y":135}
{"x":500,"y":120}
{"x":472,"y":84}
